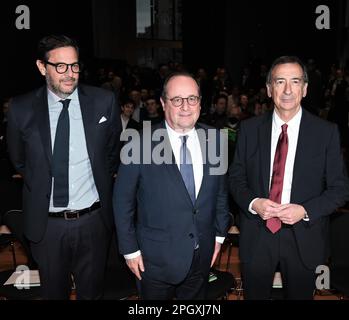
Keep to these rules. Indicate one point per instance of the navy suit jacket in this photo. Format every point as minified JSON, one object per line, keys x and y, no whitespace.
{"x":153,"y":213}
{"x":29,"y":143}
{"x":319,"y":182}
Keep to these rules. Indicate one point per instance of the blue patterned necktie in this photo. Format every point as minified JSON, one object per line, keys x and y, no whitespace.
{"x":186,"y":168}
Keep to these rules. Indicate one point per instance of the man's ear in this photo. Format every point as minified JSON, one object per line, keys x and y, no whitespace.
{"x":162,"y":103}
{"x":41,"y":66}
{"x":269,"y":90}
{"x":305,"y":90}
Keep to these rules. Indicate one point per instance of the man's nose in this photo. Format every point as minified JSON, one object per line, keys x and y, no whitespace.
{"x":185,"y":104}
{"x":288,"y":87}
{"x":69,"y":72}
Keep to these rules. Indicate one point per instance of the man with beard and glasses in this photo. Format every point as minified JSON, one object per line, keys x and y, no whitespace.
{"x":64,"y":140}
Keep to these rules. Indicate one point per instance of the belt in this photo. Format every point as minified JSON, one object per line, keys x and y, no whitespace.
{"x":74,"y":214}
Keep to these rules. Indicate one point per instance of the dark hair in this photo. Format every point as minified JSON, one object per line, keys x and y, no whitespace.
{"x":220,"y":96}
{"x":128,"y":101}
{"x":176,"y":74}
{"x":48,"y":43}
{"x":287,"y":59}
{"x":152,"y":98}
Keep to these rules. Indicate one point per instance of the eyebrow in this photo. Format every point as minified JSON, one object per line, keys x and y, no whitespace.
{"x":63,"y":62}
{"x":293,"y":78}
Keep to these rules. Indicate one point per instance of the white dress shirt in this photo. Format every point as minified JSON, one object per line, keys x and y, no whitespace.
{"x":124,"y":122}
{"x":136,"y":115}
{"x":292,"y":133}
{"x":193,"y":144}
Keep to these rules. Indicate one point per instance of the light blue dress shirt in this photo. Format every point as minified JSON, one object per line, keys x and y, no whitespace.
{"x":82,"y":188}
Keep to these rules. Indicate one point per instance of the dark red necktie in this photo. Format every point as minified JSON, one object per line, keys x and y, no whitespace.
{"x":277,"y":180}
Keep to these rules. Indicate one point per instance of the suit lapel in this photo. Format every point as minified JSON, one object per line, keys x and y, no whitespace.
{"x":43,"y":121}
{"x":304,"y":144}
{"x":203,"y":138}
{"x":89,"y":121}
{"x":265,"y":145}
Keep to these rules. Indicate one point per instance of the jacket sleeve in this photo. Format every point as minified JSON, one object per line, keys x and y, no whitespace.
{"x":113,"y":144}
{"x":15,"y":142}
{"x":124,"y":206}
{"x":238,"y":182}
{"x":336,"y":192}
{"x":222,"y":208}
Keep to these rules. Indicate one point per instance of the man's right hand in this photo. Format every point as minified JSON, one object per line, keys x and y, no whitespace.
{"x":266,"y":208}
{"x":136,"y":266}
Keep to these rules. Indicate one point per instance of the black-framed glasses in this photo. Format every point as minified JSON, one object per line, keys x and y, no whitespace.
{"x":191,"y":100}
{"x":61,"y":67}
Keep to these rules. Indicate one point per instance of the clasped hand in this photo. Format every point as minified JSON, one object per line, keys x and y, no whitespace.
{"x":289,"y":213}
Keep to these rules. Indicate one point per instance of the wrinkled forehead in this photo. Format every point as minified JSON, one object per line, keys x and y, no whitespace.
{"x":63,"y":54}
{"x":287,"y":71}
{"x":182,"y":86}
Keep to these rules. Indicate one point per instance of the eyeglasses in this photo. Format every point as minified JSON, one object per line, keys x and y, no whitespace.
{"x":63,"y":67}
{"x":191,"y":100}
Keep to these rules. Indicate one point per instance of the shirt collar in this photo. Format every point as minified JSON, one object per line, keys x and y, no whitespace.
{"x":293,"y":124}
{"x":176,"y":135}
{"x":53,"y":98}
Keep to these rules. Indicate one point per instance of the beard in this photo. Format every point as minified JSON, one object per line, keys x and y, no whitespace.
{"x":57,"y":86}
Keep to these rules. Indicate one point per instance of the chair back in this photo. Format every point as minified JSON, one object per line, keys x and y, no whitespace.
{"x":13,"y":219}
{"x":339,"y":239}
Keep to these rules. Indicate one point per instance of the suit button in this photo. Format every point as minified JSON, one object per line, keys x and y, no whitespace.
{"x":195,"y":211}
{"x":191,"y":236}
{"x":48,"y":196}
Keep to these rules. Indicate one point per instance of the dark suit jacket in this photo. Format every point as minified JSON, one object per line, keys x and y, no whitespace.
{"x":166,"y":220}
{"x":133,"y":124}
{"x":29,"y":142}
{"x":319,"y":183}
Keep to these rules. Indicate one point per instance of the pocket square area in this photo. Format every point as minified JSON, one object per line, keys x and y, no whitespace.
{"x":102,"y":119}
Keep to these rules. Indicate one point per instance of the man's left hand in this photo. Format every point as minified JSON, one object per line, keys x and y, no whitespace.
{"x":290,"y":213}
{"x":217,"y":248}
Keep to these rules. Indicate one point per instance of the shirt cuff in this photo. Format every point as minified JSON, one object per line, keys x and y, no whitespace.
{"x":250,"y":206}
{"x":132,"y":255}
{"x":220,"y":239}
{"x":306,"y":217}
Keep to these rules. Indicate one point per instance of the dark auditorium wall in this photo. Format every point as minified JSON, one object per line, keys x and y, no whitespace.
{"x":233,"y":33}
{"x":204,"y":33}
{"x":18,"y":47}
{"x":215,"y":33}
{"x":264,"y":32}
{"x":114,"y":26}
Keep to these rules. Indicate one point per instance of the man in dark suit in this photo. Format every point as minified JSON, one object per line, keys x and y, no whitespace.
{"x":63,"y":139}
{"x":171,"y":217}
{"x":287,"y":178}
{"x":127,"y":108}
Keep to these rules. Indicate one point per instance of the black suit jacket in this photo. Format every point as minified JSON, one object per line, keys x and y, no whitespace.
{"x":319,"y":182}
{"x":133,"y":124}
{"x":166,"y":220}
{"x":29,"y":142}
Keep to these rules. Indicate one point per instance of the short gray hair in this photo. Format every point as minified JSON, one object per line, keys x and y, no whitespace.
{"x":287,"y":59}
